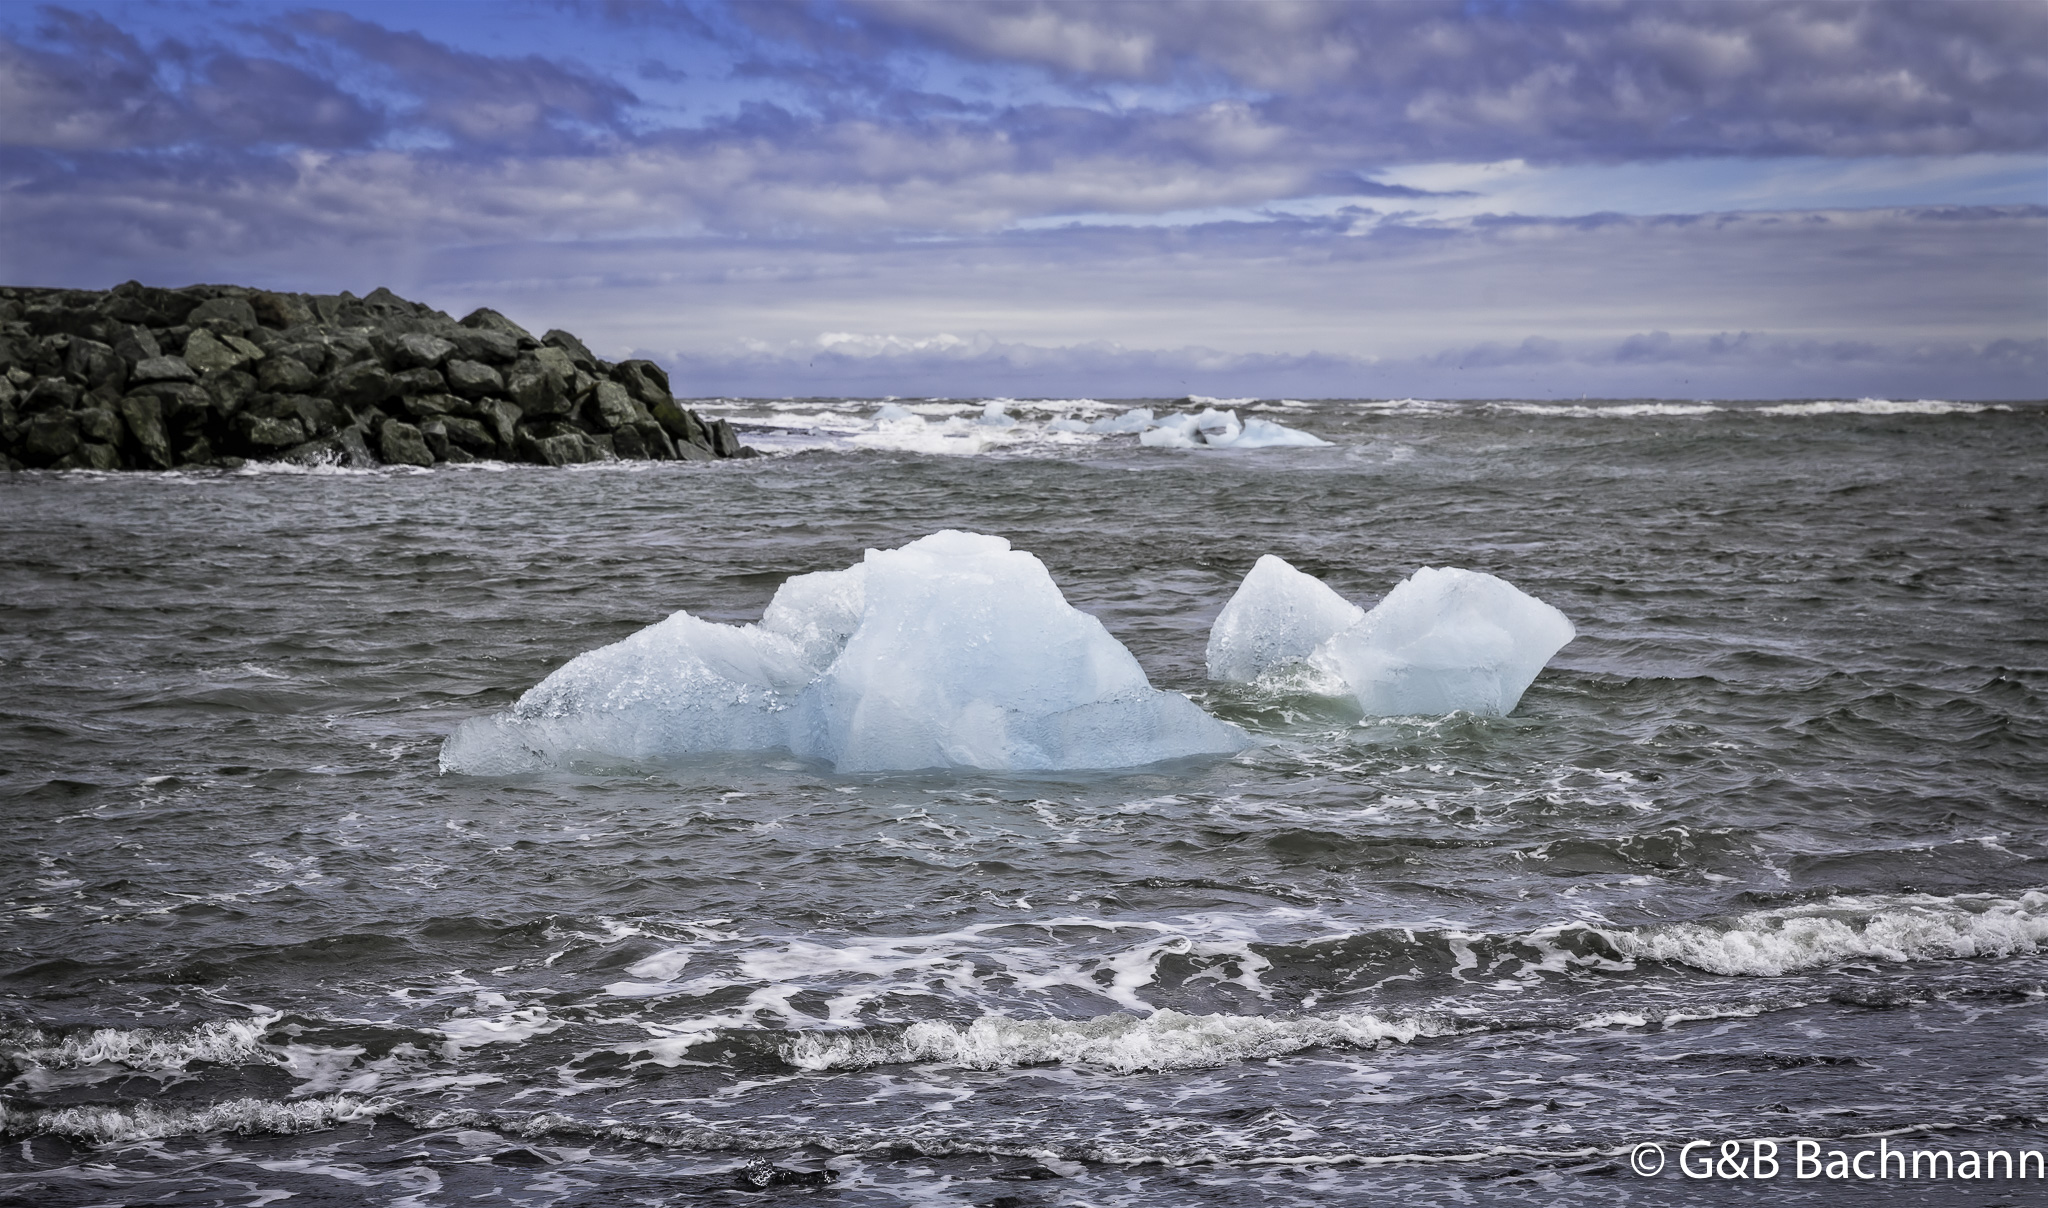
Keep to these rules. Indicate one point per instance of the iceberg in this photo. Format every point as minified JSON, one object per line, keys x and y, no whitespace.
{"x":1137,"y":419}
{"x":1212,"y":429}
{"x":954,"y":651}
{"x":1442,"y":641}
{"x":1278,"y":618}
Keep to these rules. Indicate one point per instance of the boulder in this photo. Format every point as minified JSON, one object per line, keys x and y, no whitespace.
{"x":579,"y":355}
{"x":267,"y":434}
{"x":344,"y":448}
{"x":502,"y":418}
{"x":468,"y":434}
{"x":483,"y":318}
{"x":161,"y":369}
{"x":91,"y":363}
{"x":100,"y":424}
{"x":136,"y":344}
{"x":417,"y":350}
{"x":223,"y":315}
{"x":209,"y":354}
{"x":90,"y":455}
{"x":418,"y":381}
{"x":401,"y":444}
{"x":724,"y":441}
{"x":282,"y":374}
{"x":681,"y":424}
{"x":144,"y":417}
{"x":280,"y":310}
{"x":363,"y":384}
{"x":488,"y":345}
{"x":644,"y":380}
{"x":51,"y":394}
{"x":473,"y":379}
{"x":612,"y":407}
{"x":538,"y":393}
{"x":50,"y":437}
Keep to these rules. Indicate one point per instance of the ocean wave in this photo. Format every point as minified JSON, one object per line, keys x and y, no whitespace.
{"x":147,"y":1050}
{"x":98,"y":1125}
{"x":1164,"y":1040}
{"x":1892,"y":928}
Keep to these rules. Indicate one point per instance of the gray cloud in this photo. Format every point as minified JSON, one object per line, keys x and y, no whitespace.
{"x":1563,"y":81}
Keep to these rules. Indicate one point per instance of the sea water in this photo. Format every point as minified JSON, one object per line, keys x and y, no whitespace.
{"x":1759,"y":854}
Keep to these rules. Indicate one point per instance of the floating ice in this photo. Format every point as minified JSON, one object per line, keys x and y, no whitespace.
{"x":994,"y":416}
{"x":1278,"y":617}
{"x":953,"y":651}
{"x":1137,"y":419}
{"x":1213,"y":429}
{"x":896,"y":413}
{"x":1443,"y":640}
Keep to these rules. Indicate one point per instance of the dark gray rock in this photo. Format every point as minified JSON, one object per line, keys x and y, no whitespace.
{"x":51,"y":436}
{"x":502,"y":418}
{"x":89,"y":455}
{"x":136,"y":344}
{"x":363,"y":384}
{"x":578,"y":354}
{"x":209,"y":354}
{"x":344,"y":448}
{"x":724,"y":441}
{"x":91,"y":363}
{"x":267,"y":434}
{"x":283,"y":374}
{"x":401,"y":444}
{"x":417,"y":350}
{"x":612,"y":407}
{"x":223,"y":316}
{"x":681,"y":424}
{"x":280,"y":310}
{"x":487,"y":345}
{"x":100,"y":424}
{"x":473,"y":379}
{"x":484,"y":318}
{"x":469,"y":434}
{"x":51,"y":394}
{"x":644,"y":380}
{"x":144,"y":417}
{"x":435,"y":433}
{"x":161,"y":369}
{"x":419,"y":381}
{"x":538,"y":393}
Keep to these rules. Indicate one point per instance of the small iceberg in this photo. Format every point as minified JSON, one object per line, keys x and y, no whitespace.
{"x":1212,"y":429}
{"x":1443,"y":640}
{"x":954,"y":651}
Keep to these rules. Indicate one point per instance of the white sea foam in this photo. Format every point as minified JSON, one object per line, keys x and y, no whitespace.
{"x":953,"y":651}
{"x":1878,"y":406}
{"x":150,"y":1050}
{"x":148,"y":1122}
{"x":1892,"y":928}
{"x":1163,"y":1040}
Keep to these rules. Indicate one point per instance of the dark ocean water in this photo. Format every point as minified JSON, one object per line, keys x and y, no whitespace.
{"x":1763,"y":854}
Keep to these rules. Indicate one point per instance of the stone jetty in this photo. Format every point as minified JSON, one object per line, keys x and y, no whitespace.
{"x":143,"y":378}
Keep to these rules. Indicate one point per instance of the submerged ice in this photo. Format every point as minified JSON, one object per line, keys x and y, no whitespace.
{"x":953,"y":651}
{"x":1442,"y":641}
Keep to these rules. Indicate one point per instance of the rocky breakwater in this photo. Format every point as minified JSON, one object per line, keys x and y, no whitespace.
{"x":138,"y":377}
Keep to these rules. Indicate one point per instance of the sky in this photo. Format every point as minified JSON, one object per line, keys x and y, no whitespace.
{"x":1028,"y":199}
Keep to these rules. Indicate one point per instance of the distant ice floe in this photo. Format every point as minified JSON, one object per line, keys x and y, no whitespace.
{"x":1444,"y":640}
{"x":965,"y":429}
{"x":954,"y":651}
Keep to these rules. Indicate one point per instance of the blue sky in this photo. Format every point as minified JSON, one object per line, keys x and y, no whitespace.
{"x":900,"y":197}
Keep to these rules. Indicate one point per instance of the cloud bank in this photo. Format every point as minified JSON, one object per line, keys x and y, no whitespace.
{"x":1273,"y":182}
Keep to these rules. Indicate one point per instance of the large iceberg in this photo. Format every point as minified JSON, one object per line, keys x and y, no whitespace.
{"x":953,"y":651}
{"x":1443,"y":640}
